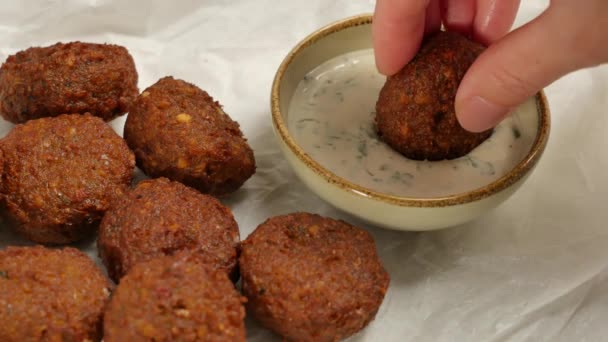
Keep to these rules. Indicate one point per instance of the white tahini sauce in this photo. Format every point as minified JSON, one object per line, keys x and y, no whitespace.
{"x":331,"y":116}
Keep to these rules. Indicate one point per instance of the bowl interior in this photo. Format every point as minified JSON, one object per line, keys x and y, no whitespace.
{"x":350,"y":35}
{"x":323,"y":107}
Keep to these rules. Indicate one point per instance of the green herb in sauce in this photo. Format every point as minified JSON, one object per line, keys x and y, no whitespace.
{"x":362,"y":148}
{"x":308,"y":120}
{"x":340,"y":96}
{"x":331,"y":117}
{"x":516,"y":132}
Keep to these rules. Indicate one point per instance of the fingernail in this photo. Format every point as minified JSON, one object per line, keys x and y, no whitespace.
{"x":478,"y":114}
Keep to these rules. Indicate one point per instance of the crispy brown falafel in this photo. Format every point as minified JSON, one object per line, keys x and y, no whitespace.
{"x":50,"y":295}
{"x":67,"y":78}
{"x":162,"y":217}
{"x":415,"y":110}
{"x":311,"y":278}
{"x":178,"y":131}
{"x":61,"y":174}
{"x":175,"y":298}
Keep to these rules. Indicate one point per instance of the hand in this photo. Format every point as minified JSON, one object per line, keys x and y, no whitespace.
{"x":567,"y":36}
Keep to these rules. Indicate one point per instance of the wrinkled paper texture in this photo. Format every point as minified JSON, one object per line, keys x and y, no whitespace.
{"x":535,"y":269}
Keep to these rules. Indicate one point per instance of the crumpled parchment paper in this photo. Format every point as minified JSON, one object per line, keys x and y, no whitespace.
{"x":535,"y":269}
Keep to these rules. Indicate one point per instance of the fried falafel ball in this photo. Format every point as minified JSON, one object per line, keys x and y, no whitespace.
{"x":175,"y":298}
{"x":310,"y":278}
{"x":415,"y":110}
{"x":50,"y":295}
{"x":76,"y":77}
{"x":179,"y":132}
{"x":60,"y":176}
{"x":161,"y":217}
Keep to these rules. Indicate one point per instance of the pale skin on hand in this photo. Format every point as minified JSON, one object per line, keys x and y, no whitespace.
{"x":567,"y":36}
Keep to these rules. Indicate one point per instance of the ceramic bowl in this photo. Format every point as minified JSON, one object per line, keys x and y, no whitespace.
{"x":441,"y":199}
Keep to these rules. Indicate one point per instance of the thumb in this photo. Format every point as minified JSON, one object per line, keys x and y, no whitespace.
{"x":516,"y":67}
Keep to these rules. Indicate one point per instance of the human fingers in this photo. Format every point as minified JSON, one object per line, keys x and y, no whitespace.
{"x":458,"y":15}
{"x":493,"y":19}
{"x":433,"y":17}
{"x":397,"y":31}
{"x":522,"y":63}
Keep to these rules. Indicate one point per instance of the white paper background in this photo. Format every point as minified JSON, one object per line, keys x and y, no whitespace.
{"x":533,"y":270}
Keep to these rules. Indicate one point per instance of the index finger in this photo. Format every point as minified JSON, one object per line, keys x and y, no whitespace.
{"x":494,"y":19}
{"x":397,"y":31}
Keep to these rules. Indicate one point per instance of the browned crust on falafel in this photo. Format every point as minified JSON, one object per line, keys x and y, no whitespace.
{"x":50,"y":295}
{"x":311,"y":278}
{"x":61,"y":174}
{"x":161,"y":217}
{"x":179,"y":132}
{"x":415,"y":112}
{"x":67,"y":78}
{"x":175,"y":298}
